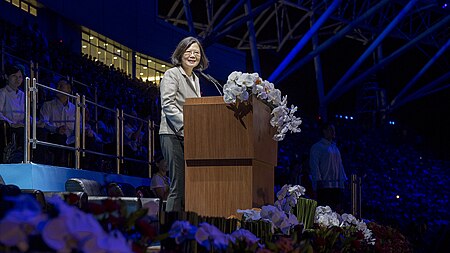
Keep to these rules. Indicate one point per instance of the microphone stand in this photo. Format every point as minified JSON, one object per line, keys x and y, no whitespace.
{"x":213,"y":81}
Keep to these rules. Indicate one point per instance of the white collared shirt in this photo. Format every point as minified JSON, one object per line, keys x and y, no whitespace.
{"x":54,"y":114}
{"x":12,"y":105}
{"x":326,"y":166}
{"x":192,"y":80}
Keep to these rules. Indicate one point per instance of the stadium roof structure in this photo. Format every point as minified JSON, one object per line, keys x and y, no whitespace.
{"x":303,"y":32}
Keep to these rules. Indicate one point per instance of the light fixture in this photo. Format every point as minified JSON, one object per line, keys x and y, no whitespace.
{"x":154,"y":78}
{"x":91,"y":37}
{"x":163,"y":66}
{"x":144,"y":67}
{"x":84,"y":46}
{"x":115,"y":57}
{"x":99,"y":52}
{"x":149,"y":60}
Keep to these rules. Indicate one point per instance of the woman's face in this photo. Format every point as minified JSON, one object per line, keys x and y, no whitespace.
{"x":191,"y":57}
{"x":15,"y":80}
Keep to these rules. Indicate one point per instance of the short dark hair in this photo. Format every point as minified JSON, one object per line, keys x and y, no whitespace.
{"x":12,"y":69}
{"x":326,"y":125}
{"x":181,"y":48}
{"x":159,"y":158}
{"x":63,"y":79}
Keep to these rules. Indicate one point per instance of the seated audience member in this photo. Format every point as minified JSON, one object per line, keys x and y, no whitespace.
{"x":58,"y":118}
{"x":160,"y":181}
{"x":134,"y":147}
{"x":12,"y":113}
{"x":107,"y":132}
{"x":93,"y":142}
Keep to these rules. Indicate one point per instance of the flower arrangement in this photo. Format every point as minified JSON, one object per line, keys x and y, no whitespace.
{"x":389,"y":239}
{"x":331,"y":232}
{"x":288,"y":196}
{"x":63,"y":228}
{"x":325,"y":217}
{"x":212,"y":239}
{"x":279,"y":220}
{"x":108,"y":227}
{"x":240,"y":86}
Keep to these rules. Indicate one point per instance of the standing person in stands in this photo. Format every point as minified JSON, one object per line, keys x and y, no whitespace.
{"x":58,"y":118}
{"x":327,"y":171}
{"x":178,"y":83}
{"x":12,"y":109}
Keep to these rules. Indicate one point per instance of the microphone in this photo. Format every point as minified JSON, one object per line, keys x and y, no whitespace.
{"x":213,"y":81}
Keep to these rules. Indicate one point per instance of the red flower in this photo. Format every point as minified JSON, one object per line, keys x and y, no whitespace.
{"x":285,"y":244}
{"x":116,"y":222}
{"x":261,"y":250}
{"x":145,"y":227}
{"x":72,"y":199}
{"x":138,"y":248}
{"x":111,"y":205}
{"x":96,"y":209}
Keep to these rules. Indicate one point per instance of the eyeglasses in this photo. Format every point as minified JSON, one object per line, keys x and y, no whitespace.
{"x":189,"y":52}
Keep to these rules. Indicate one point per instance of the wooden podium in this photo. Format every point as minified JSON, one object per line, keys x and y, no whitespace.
{"x":230,"y":156}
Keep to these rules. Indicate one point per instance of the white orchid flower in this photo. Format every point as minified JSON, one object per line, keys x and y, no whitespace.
{"x":240,"y":86}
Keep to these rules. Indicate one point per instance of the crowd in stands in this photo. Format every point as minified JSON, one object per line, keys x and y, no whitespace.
{"x":400,"y":186}
{"x":105,"y":85}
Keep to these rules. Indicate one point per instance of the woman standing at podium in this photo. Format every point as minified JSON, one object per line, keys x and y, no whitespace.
{"x":178,"y":83}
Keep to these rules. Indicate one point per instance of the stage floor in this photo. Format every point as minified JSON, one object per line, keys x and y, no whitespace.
{"x":52,"y":178}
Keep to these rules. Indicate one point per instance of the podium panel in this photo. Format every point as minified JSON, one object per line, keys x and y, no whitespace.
{"x":230,"y":156}
{"x":213,"y":130}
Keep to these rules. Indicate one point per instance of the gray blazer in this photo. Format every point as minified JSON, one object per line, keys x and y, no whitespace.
{"x":174,"y":88}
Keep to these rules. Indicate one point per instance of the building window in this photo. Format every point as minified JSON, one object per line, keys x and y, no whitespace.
{"x":105,"y":50}
{"x":149,"y":68}
{"x":24,"y":5}
{"x":111,"y":53}
{"x":33,"y":11}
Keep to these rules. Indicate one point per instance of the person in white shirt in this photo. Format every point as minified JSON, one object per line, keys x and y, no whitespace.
{"x":58,"y":118}
{"x":12,"y":99}
{"x":12,"y":108}
{"x":327,"y":171}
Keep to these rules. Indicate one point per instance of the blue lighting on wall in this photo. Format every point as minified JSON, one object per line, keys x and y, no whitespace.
{"x":340,"y":116}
